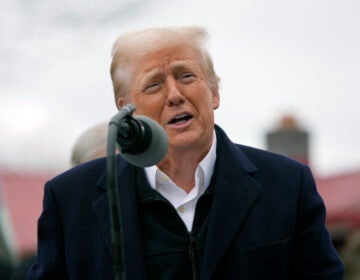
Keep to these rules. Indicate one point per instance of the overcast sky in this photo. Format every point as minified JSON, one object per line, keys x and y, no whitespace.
{"x":274,"y":57}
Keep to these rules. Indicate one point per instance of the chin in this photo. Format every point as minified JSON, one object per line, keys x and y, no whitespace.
{"x":186,"y":142}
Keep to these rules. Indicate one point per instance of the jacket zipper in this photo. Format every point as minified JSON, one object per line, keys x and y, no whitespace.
{"x":191,"y":248}
{"x":192,"y":240}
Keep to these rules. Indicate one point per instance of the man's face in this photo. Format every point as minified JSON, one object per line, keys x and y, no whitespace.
{"x":170,"y":86}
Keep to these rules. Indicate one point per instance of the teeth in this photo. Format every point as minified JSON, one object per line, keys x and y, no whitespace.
{"x":180,"y":119}
{"x":180,"y":116}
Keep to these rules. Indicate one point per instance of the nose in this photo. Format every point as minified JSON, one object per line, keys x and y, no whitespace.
{"x":174,"y":94}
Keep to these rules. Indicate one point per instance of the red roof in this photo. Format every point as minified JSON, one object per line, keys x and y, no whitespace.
{"x":22,"y":195}
{"x":341,"y":194}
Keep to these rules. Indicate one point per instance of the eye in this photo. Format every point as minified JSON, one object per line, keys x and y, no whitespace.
{"x":152,"y":87}
{"x":187,"y":77}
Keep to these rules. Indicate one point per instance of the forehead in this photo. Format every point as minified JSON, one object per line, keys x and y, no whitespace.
{"x":171,"y":67}
{"x":172,"y":57}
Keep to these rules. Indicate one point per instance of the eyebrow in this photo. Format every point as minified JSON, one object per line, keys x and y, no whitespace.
{"x":175,"y":66}
{"x":184,"y":64}
{"x":150,"y":75}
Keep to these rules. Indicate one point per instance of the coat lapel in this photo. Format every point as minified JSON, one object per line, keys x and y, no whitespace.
{"x":235,"y":194}
{"x":101,"y":209}
{"x":134,"y":253}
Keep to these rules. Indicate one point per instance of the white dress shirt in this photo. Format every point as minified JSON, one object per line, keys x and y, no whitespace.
{"x":183,"y":202}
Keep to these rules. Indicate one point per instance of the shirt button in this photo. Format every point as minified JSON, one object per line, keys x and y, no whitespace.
{"x":163,"y":178}
{"x":181,"y":209}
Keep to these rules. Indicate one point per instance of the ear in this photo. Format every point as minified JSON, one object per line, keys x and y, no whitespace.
{"x":215,"y":98}
{"x":120,"y":102}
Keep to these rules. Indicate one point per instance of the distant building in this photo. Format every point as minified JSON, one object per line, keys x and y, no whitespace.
{"x":290,"y":140}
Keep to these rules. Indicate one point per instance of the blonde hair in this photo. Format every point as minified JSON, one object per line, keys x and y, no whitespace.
{"x":134,"y":44}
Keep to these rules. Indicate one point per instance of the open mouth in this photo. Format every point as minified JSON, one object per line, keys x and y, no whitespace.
{"x":180,"y":119}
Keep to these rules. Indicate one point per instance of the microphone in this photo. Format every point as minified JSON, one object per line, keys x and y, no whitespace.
{"x":141,"y":140}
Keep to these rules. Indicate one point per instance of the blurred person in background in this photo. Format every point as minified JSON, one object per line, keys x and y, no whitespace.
{"x":91,"y":144}
{"x":211,"y":209}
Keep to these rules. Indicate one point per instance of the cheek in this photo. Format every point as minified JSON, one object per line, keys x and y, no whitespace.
{"x":143,"y":103}
{"x":208,"y":101}
{"x":151,"y":107}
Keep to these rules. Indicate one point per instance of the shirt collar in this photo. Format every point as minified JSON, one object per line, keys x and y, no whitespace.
{"x":206,"y":165}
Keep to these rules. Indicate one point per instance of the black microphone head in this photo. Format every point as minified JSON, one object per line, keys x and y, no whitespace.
{"x":156,"y":144}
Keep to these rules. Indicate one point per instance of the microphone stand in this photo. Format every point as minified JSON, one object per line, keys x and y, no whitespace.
{"x":113,"y":193}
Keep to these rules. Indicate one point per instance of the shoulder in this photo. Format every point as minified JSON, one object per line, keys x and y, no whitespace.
{"x":254,"y":158}
{"x":277,"y":168}
{"x":86,"y":175}
{"x":271,"y":170}
{"x":88,"y":171}
{"x":262,"y":158}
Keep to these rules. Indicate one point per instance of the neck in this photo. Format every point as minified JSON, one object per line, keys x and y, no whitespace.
{"x":181,"y":166}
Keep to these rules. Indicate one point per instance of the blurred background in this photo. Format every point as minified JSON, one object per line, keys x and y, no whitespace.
{"x":290,"y":73}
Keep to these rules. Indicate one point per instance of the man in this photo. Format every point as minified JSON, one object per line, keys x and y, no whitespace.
{"x":211,"y":209}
